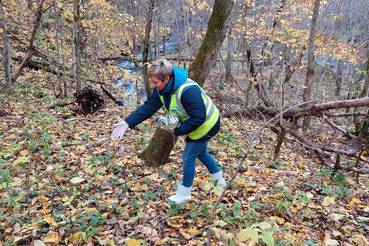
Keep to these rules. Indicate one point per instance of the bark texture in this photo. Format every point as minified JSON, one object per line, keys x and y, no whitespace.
{"x":159,"y":148}
{"x":6,"y":53}
{"x":146,"y":46}
{"x":312,"y":37}
{"x":214,"y":37}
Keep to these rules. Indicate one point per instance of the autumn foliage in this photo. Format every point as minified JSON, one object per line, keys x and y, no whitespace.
{"x":64,"y":181}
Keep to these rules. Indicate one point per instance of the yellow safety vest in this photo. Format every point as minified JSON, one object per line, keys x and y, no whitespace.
{"x":212,"y":112}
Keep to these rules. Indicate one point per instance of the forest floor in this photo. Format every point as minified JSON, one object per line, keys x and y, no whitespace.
{"x":63,"y":181}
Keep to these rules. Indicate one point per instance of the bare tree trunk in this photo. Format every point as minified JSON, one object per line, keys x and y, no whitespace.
{"x":365,"y":92}
{"x":221,"y":73}
{"x":7,"y":71}
{"x":31,"y":48}
{"x":146,"y":47}
{"x":60,"y":88}
{"x":206,"y":57}
{"x":30,"y":4}
{"x":338,"y":79}
{"x":310,"y":66}
{"x":228,"y":73}
{"x":77,"y":44}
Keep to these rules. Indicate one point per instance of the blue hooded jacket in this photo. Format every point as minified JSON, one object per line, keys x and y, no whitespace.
{"x":191,"y":100}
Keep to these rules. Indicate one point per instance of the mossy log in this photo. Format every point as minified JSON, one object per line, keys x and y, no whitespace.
{"x":158,"y":151}
{"x":281,"y":136}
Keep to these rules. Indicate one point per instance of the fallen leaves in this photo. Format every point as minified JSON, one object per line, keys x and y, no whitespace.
{"x":79,"y":190}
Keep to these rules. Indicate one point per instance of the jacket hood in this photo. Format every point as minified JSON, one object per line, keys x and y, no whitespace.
{"x":180,"y":76}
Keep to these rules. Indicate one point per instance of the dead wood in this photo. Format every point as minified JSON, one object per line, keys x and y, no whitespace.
{"x":3,"y":112}
{"x":313,"y":110}
{"x":61,"y":104}
{"x":88,"y":100}
{"x":334,"y":126}
{"x":310,"y":145}
{"x":357,"y":170}
{"x":116,"y":58}
{"x":321,"y":147}
{"x":362,"y":102}
{"x":116,"y":101}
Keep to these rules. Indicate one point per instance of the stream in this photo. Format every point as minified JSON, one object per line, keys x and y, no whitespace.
{"x":126,"y":92}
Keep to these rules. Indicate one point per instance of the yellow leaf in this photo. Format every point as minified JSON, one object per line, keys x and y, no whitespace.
{"x":50,"y":220}
{"x":176,"y":217}
{"x":249,"y":233}
{"x":328,"y":200}
{"x":313,"y":205}
{"x":354,"y":201}
{"x":185,"y":235}
{"x":51,"y":237}
{"x":287,"y":225}
{"x":336,"y":233}
{"x":133,"y":242}
{"x":175,"y":226}
{"x":42,"y":198}
{"x":278,"y":195}
{"x":75,"y":237}
{"x":1,"y":30}
{"x":144,"y":187}
{"x":23,"y":152}
{"x":59,"y":5}
{"x":289,"y":237}
{"x":192,"y":230}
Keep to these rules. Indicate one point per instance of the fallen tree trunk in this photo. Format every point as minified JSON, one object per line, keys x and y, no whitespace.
{"x":116,"y":101}
{"x":310,"y":145}
{"x":313,"y":110}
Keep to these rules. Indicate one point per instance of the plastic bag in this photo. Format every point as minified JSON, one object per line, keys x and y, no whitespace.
{"x":168,"y":122}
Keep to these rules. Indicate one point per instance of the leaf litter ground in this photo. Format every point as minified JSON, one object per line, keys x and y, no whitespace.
{"x":65,"y":182}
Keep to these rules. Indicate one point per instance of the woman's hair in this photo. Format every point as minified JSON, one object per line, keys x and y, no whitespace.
{"x":161,"y":69}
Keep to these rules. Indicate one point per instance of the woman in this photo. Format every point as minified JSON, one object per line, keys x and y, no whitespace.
{"x":199,"y":120}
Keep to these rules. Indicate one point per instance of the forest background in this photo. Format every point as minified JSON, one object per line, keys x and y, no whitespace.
{"x":291,"y":82}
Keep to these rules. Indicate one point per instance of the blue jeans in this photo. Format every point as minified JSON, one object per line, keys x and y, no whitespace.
{"x":192,"y":151}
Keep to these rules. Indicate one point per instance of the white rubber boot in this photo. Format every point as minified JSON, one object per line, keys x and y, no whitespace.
{"x":218,"y":176}
{"x":183,"y":194}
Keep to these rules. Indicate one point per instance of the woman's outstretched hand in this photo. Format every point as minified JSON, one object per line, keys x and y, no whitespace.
{"x":120,"y":129}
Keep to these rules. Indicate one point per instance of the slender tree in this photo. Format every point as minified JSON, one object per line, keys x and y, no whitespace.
{"x":6,"y":52}
{"x":365,"y":92}
{"x":76,"y":44}
{"x":310,"y":66}
{"x":146,"y":46}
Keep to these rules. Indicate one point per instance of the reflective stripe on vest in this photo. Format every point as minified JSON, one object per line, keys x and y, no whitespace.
{"x":212,"y":113}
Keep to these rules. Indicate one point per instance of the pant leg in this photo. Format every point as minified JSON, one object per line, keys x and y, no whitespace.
{"x":192,"y":151}
{"x":208,"y":160}
{"x":189,"y":156}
